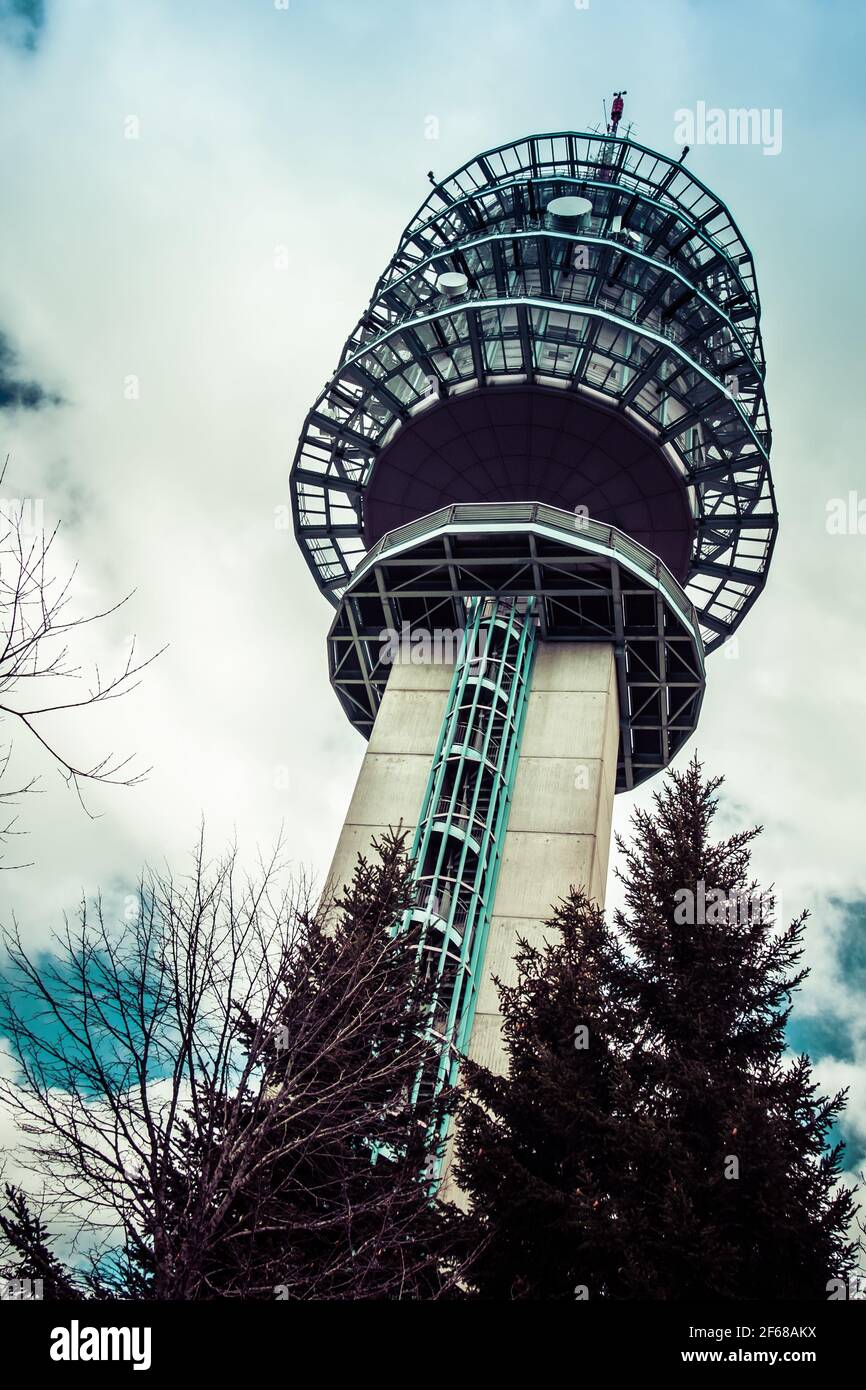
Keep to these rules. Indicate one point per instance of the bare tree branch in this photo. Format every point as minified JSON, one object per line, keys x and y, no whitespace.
{"x":218,"y":1090}
{"x":35,"y":622}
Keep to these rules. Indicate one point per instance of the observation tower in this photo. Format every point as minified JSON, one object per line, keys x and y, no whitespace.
{"x":537,"y":492}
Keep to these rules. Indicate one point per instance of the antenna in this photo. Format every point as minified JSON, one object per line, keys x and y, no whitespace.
{"x":616,"y":110}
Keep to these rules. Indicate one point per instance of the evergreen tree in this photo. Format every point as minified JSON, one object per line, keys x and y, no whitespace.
{"x":650,"y":1139}
{"x":28,"y":1248}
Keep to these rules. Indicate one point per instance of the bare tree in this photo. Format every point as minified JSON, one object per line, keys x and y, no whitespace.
{"x":36,"y":664}
{"x":217,"y":1096}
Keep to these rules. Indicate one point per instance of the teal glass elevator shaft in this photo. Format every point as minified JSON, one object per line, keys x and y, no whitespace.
{"x":458,"y":844}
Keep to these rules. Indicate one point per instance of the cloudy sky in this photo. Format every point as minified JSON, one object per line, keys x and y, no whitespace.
{"x":162,"y":164}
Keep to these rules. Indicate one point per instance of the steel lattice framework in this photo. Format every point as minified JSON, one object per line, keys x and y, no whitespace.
{"x":585,"y":582}
{"x":644,"y":308}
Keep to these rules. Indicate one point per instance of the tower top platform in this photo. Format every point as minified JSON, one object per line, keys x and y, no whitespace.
{"x":571,"y":319}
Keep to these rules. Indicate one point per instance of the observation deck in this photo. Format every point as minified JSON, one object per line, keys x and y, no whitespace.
{"x":569,"y":320}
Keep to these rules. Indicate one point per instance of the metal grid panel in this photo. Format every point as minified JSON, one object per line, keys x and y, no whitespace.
{"x":457,"y":847}
{"x":586,"y":583}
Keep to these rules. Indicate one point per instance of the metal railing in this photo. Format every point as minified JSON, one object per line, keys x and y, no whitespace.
{"x":554,"y":518}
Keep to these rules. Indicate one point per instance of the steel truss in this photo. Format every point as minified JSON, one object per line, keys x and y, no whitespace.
{"x":586,"y":583}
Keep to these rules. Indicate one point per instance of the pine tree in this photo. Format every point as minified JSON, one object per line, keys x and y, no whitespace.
{"x":28,"y":1244}
{"x":651,"y":1140}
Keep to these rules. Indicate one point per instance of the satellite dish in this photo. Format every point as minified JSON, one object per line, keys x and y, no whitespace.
{"x":453,"y":284}
{"x":568,"y":211}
